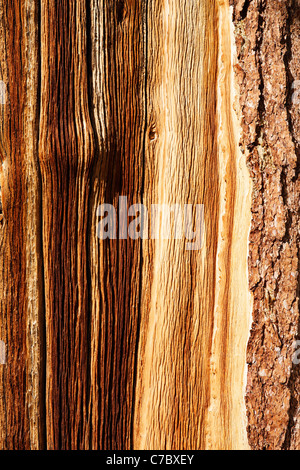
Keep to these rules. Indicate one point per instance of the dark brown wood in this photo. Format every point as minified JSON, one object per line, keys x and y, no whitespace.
{"x":22,"y":398}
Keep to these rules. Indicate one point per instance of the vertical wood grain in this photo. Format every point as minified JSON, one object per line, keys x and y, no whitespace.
{"x":21,"y":296}
{"x":66,"y":156}
{"x":182,"y":167}
{"x":120,"y":344}
{"x":119,"y":96}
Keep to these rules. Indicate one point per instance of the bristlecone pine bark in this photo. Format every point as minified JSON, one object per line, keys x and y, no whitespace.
{"x":143,"y":344}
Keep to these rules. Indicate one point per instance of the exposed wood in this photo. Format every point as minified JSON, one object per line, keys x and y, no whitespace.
{"x":233,"y":307}
{"x":130,"y":99}
{"x":141,"y":344}
{"x":118,"y":61}
{"x":21,"y":298}
{"x":196,"y":299}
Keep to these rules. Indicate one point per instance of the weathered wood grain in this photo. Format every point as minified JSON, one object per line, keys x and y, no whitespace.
{"x":118,"y":88}
{"x":182,"y":167}
{"x":21,"y":279}
{"x":122,"y":344}
{"x":195,"y":298}
{"x":233,"y":302}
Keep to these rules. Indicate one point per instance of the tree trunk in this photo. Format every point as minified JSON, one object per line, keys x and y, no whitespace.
{"x":268,"y":43}
{"x":123,"y":343}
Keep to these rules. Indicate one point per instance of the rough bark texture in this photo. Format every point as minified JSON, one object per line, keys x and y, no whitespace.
{"x":268,"y":43}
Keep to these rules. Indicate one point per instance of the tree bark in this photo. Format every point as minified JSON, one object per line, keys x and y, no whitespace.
{"x":141,"y":344}
{"x":268,"y":48}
